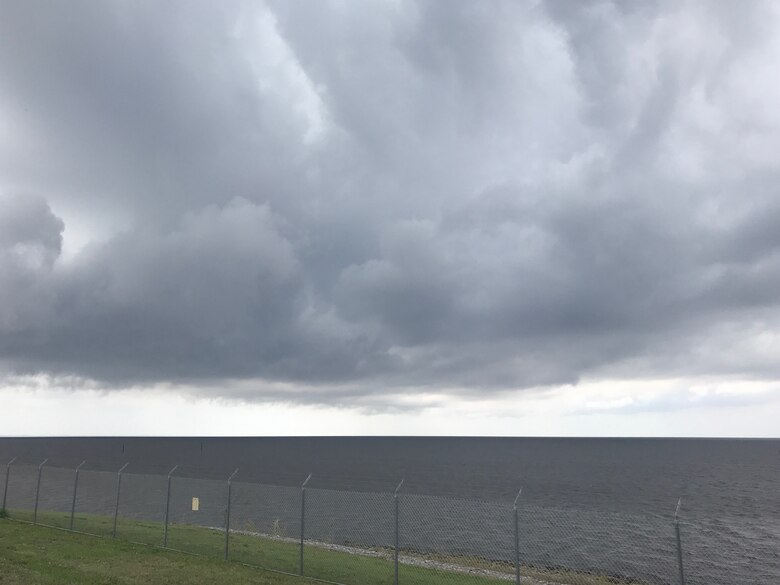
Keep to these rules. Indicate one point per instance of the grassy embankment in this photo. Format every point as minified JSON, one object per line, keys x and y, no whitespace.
{"x":37,"y":554}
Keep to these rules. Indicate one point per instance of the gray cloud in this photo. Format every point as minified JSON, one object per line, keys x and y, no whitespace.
{"x":30,"y":242}
{"x":410,"y":194}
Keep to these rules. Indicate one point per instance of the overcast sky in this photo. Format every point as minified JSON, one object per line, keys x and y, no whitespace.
{"x":390,"y":217}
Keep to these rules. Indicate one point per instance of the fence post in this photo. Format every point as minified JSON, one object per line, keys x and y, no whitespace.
{"x":116,"y":502}
{"x":38,"y":491}
{"x":303,"y":516}
{"x":517,"y":538}
{"x":227,"y":517}
{"x":168,"y":506}
{"x":395,"y":504}
{"x":75,"y":489}
{"x":7,"y":473}
{"x":679,"y":542}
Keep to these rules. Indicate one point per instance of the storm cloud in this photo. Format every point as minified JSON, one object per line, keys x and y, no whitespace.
{"x":373,"y":198}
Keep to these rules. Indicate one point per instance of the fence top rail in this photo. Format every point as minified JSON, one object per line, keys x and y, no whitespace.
{"x":138,"y":474}
{"x":53,"y":468}
{"x":24,"y":466}
{"x":293,"y":489}
{"x":54,"y":463}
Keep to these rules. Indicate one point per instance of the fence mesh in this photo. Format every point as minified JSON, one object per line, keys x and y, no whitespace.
{"x":142,"y":508}
{"x":709,"y":546}
{"x":265,"y":526}
{"x":4,"y":501}
{"x":56,"y":496}
{"x":585,"y":546}
{"x":197,"y":516}
{"x":354,"y":538}
{"x":95,"y":501}
{"x":349,"y":536}
{"x":471,"y":541}
{"x":20,"y":499}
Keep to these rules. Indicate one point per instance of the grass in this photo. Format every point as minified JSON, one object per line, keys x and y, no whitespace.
{"x":38,"y":554}
{"x":61,"y":557}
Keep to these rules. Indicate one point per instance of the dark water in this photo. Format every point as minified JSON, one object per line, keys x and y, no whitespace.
{"x":586,"y":503}
{"x":714,"y":477}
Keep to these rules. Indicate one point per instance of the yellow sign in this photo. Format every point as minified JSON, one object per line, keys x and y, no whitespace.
{"x":195,"y":504}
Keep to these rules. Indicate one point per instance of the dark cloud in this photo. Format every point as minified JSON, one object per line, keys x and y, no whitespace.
{"x":410,"y":194}
{"x":30,"y":242}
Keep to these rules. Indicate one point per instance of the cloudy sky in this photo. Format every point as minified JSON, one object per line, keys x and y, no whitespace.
{"x":390,"y":217}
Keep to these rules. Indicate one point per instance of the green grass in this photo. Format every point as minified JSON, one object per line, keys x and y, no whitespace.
{"x":77,"y":549}
{"x":37,"y":555}
{"x":54,"y":556}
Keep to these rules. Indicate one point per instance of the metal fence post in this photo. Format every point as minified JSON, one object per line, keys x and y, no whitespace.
{"x":303,"y":516}
{"x":7,"y":474}
{"x":395,"y":504}
{"x":168,"y":506}
{"x":75,"y":489}
{"x":227,"y":516}
{"x":116,"y":502}
{"x":679,"y":542}
{"x":38,"y":491}
{"x":517,"y":538}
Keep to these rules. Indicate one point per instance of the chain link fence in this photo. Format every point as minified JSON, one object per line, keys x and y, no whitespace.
{"x":363,"y":538}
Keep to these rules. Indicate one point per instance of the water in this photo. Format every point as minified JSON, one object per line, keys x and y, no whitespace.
{"x":590,"y":502}
{"x":715,"y":478}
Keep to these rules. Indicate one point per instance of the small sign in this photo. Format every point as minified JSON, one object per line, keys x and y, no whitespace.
{"x":195,"y":504}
